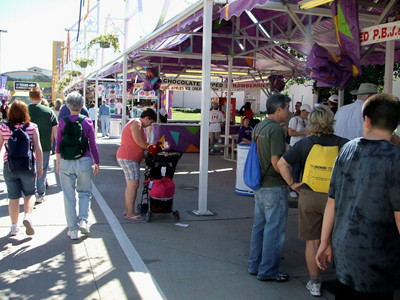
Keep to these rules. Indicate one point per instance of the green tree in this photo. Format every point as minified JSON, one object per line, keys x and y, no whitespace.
{"x":373,"y":74}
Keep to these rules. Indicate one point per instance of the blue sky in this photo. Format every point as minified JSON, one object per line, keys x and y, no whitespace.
{"x":33,"y":25}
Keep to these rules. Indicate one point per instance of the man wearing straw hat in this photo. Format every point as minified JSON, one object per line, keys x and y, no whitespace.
{"x":349,"y":119}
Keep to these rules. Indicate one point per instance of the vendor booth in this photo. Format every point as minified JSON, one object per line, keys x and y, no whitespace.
{"x":253,"y":42}
{"x":184,"y":137}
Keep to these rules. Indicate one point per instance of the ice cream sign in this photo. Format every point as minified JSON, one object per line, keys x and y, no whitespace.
{"x":113,"y":90}
{"x":380,"y":33}
{"x":148,"y":94}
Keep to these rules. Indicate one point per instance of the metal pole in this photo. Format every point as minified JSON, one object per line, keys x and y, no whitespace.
{"x":84,"y":89}
{"x":1,"y":31}
{"x":96,"y":92}
{"x":341,"y":98}
{"x":228,"y":107}
{"x":124,"y":90}
{"x":125,"y":67}
{"x":389,"y":63}
{"x":205,"y":104}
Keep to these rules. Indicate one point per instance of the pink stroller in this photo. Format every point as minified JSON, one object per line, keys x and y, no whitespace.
{"x":158,"y":187}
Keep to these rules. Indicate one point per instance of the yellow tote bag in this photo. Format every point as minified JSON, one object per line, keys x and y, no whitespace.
{"x":318,"y":168}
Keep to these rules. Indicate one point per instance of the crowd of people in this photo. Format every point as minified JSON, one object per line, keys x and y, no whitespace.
{"x":30,"y":134}
{"x":355,"y":221}
{"x":67,"y":130}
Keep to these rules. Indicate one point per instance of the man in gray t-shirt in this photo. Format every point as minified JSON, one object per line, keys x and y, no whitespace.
{"x":362,"y":215}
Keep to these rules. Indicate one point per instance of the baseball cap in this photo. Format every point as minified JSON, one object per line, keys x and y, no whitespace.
{"x":306,"y":107}
{"x":334,"y":98}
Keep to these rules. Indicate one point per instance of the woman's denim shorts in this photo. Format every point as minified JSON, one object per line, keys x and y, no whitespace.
{"x":18,"y":182}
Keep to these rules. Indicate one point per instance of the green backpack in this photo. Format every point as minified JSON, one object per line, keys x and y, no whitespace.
{"x":73,"y":145}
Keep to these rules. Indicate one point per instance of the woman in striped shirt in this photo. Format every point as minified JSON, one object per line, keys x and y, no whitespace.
{"x":22,"y":181}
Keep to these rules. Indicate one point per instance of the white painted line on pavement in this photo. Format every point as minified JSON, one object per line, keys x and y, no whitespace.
{"x":144,"y":282}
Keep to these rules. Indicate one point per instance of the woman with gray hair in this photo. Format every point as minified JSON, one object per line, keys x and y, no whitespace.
{"x":311,"y":204}
{"x":76,"y":150}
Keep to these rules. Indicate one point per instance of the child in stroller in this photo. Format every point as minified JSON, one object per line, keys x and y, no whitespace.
{"x":158,"y":187}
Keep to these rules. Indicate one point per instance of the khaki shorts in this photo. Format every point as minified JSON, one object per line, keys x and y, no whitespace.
{"x":311,"y":213}
{"x":215,"y":135}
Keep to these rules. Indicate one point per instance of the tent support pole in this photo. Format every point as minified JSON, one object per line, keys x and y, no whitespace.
{"x":124,"y":91}
{"x":389,"y":63}
{"x":341,"y":98}
{"x":125,"y":68}
{"x":205,"y":116}
{"x":228,"y":106}
{"x":96,"y":107}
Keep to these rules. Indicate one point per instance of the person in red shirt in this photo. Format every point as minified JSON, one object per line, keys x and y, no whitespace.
{"x":4,"y":110}
{"x":22,"y":181}
{"x":246,"y":111}
{"x":129,"y":156}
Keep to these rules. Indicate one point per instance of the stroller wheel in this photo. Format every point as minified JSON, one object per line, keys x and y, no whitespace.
{"x":145,"y":208}
{"x":148,"y":216}
{"x":177,"y":215}
{"x":139,"y":208}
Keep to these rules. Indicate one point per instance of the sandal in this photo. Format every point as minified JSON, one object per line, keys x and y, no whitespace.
{"x":134,"y":218}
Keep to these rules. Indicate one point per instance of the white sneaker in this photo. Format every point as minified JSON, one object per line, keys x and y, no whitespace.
{"x":84,"y":227}
{"x":314,"y":288}
{"x":29,"y":228}
{"x":14,"y":230}
{"x":293,"y":194}
{"x":73,"y":234}
{"x":39,"y":200}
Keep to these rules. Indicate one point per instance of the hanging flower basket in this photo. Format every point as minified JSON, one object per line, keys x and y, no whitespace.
{"x":83,"y":62}
{"x":104,"y":45}
{"x":105,"y":40}
{"x":65,"y":82}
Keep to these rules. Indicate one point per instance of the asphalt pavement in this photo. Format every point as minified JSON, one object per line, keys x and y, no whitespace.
{"x":197,"y":257}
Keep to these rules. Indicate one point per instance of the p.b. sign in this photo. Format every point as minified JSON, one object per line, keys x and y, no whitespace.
{"x":380,"y":33}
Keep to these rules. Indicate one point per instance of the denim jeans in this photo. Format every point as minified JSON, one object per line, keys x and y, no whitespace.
{"x":41,"y":182}
{"x":18,"y":182}
{"x":76,"y":174}
{"x":105,"y":124}
{"x":268,"y":234}
{"x":53,"y":148}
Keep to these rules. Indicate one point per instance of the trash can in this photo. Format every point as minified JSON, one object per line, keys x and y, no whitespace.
{"x":241,"y":188}
{"x":115,"y":128}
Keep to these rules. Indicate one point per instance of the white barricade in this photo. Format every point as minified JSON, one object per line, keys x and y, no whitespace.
{"x":241,"y":188}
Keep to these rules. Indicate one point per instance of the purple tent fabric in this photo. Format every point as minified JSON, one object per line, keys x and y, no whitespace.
{"x":152,"y":81}
{"x":338,"y":71}
{"x":194,"y":21}
{"x":345,"y":16}
{"x":114,"y":68}
{"x":173,"y":37}
{"x":236,"y":8}
{"x":329,"y":70}
{"x":276,"y":82}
